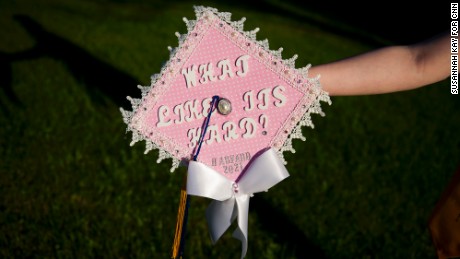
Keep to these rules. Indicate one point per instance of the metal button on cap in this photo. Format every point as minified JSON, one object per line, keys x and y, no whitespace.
{"x":224,"y":106}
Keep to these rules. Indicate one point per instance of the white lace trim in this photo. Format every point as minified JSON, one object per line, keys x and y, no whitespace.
{"x":246,"y":40}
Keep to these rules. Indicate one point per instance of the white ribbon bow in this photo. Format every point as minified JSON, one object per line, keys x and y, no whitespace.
{"x":264,"y":172}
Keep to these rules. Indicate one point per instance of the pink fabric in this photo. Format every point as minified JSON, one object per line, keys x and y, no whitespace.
{"x":212,"y":42}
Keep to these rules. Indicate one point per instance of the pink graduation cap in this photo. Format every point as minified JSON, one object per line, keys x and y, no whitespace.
{"x":260,"y":103}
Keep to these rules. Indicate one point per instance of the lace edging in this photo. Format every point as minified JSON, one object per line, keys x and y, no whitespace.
{"x":315,"y":108}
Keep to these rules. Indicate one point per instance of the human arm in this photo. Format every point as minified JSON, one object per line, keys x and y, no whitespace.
{"x":389,"y":69}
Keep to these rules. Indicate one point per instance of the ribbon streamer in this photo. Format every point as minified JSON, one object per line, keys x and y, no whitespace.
{"x":231,"y":199}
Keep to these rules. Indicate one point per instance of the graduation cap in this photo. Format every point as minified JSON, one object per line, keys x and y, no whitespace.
{"x":226,"y":106}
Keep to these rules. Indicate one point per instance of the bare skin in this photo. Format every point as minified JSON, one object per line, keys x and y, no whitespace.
{"x":390,"y":69}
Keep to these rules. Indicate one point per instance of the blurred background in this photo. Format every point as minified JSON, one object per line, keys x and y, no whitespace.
{"x":363,"y":185}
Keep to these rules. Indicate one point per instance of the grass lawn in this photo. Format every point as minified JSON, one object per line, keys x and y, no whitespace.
{"x":363,"y":185}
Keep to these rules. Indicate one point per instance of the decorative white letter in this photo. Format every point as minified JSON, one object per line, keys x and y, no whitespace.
{"x":207,"y":73}
{"x":263,"y":96}
{"x":277,"y":93}
{"x":242,"y":62}
{"x":229,"y":128}
{"x":250,"y":126}
{"x":226,"y":69}
{"x":179,"y":110}
{"x":163,"y":113}
{"x":194,"y":136}
{"x":192,"y":107}
{"x":249,"y":98}
{"x":189,"y":73}
{"x":213,"y":135}
{"x":263,"y":119}
{"x":206,"y":103}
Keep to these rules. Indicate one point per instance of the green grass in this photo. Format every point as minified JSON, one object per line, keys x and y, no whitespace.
{"x":363,"y":185}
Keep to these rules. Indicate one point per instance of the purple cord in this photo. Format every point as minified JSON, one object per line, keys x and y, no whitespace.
{"x":187,"y":203}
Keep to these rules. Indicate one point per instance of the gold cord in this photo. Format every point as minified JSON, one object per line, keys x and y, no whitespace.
{"x":179,"y":222}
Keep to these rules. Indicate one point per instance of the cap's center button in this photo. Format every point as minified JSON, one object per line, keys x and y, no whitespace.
{"x":224,"y":106}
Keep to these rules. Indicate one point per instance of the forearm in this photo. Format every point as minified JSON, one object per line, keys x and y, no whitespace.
{"x":386,"y":70}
